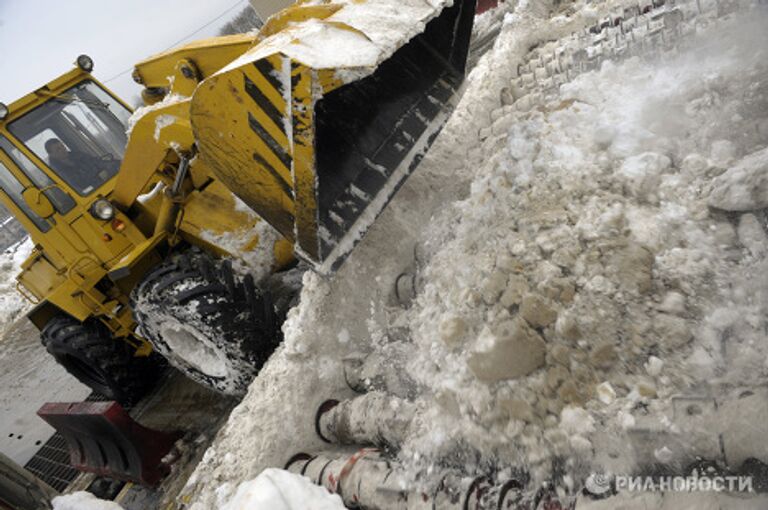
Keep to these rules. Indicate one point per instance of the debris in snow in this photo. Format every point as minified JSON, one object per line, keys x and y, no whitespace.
{"x":653,"y":366}
{"x":277,"y":489}
{"x":605,"y":393}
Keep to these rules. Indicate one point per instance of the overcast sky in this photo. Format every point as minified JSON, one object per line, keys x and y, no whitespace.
{"x":40,"y":39}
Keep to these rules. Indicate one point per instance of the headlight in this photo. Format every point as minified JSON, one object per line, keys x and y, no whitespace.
{"x":3,"y":111}
{"x":103,"y":209}
{"x":85,"y":63}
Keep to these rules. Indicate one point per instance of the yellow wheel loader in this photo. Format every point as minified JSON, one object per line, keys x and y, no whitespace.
{"x":272,"y":147}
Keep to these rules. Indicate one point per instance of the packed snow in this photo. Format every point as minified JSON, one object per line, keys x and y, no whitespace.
{"x":83,"y":501}
{"x":578,"y":265}
{"x":277,"y":489}
{"x":253,"y":249}
{"x":139,"y":113}
{"x":12,"y":304}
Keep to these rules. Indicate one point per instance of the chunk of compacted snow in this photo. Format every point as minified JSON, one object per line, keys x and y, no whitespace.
{"x":83,"y":501}
{"x":576,"y":420}
{"x":744,"y":186}
{"x":276,"y":489}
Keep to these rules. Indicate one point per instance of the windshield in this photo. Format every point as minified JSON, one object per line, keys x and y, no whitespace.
{"x":79,"y":133}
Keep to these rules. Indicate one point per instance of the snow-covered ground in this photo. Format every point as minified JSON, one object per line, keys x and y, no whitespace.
{"x":12,"y":304}
{"x":29,"y":376}
{"x":580,"y":266}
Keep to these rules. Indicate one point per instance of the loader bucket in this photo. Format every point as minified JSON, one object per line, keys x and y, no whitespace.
{"x":317,"y":145}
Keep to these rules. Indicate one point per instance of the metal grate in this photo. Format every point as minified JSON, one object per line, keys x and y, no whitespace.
{"x":51,"y":462}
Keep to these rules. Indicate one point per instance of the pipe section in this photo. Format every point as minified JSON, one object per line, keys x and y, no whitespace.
{"x":372,"y":419}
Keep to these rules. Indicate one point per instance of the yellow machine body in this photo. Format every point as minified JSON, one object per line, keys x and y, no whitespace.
{"x":313,"y":124}
{"x":86,"y":266}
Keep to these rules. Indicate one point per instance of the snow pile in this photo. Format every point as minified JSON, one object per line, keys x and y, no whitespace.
{"x":585,"y":281}
{"x":579,"y":265}
{"x":277,"y":489}
{"x":83,"y":501}
{"x":12,"y":304}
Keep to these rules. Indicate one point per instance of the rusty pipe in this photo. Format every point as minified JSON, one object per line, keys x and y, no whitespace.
{"x":367,"y":481}
{"x":374,"y":419}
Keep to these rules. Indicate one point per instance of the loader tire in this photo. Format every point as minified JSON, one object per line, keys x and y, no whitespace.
{"x":216,"y":328}
{"x":106,"y":365}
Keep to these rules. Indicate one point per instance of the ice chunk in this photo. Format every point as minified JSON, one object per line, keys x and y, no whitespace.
{"x":576,"y":420}
{"x":605,"y":393}
{"x":743,"y":187}
{"x":752,"y":235}
{"x":654,"y":365}
{"x":513,"y":350}
{"x":641,"y":174}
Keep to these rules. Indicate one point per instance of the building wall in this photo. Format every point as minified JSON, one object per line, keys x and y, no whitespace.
{"x":267,"y":8}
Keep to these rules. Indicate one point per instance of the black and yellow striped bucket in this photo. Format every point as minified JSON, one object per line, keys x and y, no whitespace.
{"x":317,"y":151}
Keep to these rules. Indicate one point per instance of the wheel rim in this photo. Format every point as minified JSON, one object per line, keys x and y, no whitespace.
{"x":195,"y":349}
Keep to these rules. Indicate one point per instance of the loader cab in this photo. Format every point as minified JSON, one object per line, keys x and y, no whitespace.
{"x":80,"y":135}
{"x":60,"y":148}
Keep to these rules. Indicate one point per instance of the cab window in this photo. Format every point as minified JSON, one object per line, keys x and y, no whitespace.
{"x":80,"y":133}
{"x":58,"y":197}
{"x":13,"y":188}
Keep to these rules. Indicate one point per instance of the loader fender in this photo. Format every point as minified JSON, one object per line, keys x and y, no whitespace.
{"x":42,"y":313}
{"x":134,"y":258}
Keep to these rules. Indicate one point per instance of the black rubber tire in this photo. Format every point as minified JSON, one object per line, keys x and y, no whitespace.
{"x":106,"y":365}
{"x":213,"y":326}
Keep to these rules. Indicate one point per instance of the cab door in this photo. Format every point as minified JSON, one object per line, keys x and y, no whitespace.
{"x":18,"y":173}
